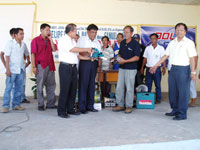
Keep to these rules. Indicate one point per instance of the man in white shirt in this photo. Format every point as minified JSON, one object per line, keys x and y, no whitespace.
{"x":87,"y":70}
{"x":181,"y":52}
{"x":15,"y":67}
{"x":68,"y":57}
{"x":152,"y":54}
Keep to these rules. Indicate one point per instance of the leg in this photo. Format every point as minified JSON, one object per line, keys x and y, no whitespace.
{"x":50,"y":89}
{"x":91,"y":87}
{"x":40,"y":84}
{"x":18,"y":89}
{"x":8,"y":89}
{"x":130,"y":83}
{"x":183,"y":85}
{"x":149,"y":79}
{"x":193,"y":93}
{"x":65,"y":80}
{"x":157,"y":81}
{"x":173,"y":92}
{"x":120,"y":88}
{"x":72,"y":92}
{"x":84,"y":76}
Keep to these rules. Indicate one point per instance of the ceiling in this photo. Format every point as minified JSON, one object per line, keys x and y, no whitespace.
{"x":181,"y":2}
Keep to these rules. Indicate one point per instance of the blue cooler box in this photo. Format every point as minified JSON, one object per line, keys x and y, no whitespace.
{"x":145,"y":101}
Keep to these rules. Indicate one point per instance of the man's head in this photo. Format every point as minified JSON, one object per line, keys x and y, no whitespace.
{"x":181,"y":30}
{"x":128,"y":32}
{"x":45,"y":29}
{"x":92,"y":31}
{"x":136,"y":37}
{"x":154,"y":38}
{"x":76,"y":38}
{"x":19,"y":34}
{"x":120,"y":37}
{"x":12,"y":31}
{"x":71,"y":30}
{"x":105,"y":41}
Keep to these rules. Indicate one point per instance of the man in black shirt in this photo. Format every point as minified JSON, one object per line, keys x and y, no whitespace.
{"x":129,"y":54}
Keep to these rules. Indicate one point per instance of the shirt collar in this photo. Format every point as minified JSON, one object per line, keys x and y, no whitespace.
{"x":42,"y":38}
{"x":184,"y":38}
{"x":90,"y":39}
{"x":15,"y":42}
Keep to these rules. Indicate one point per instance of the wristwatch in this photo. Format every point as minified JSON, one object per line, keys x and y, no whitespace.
{"x":194,"y":73}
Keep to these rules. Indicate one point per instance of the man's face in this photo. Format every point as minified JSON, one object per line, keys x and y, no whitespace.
{"x":105,"y":42}
{"x":154,"y":40}
{"x":92,"y":34}
{"x":119,"y":38}
{"x":73,"y":33}
{"x":180,"y":31}
{"x":45,"y":32}
{"x":20,"y":35}
{"x":127,"y":33}
{"x":76,"y":38}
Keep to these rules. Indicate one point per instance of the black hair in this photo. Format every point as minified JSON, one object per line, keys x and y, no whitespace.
{"x":70,"y":27}
{"x":92,"y":27}
{"x":131,"y":28}
{"x":104,"y":38}
{"x":44,"y":25}
{"x":16,"y":31}
{"x":120,"y":34}
{"x":153,"y":34}
{"x":12,"y":31}
{"x":182,"y":24}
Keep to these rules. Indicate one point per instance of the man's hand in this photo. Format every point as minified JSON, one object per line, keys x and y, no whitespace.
{"x":91,"y":50}
{"x":163,"y":71}
{"x":8,"y":73}
{"x":153,"y":69}
{"x":27,"y":64}
{"x":193,"y":77}
{"x":122,"y":61}
{"x":35,"y":70}
{"x":142,"y":71}
{"x":50,"y":36}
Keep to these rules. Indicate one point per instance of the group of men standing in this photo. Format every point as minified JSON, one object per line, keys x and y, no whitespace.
{"x":132,"y":58}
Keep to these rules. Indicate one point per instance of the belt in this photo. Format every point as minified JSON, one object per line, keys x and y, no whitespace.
{"x":64,"y":63}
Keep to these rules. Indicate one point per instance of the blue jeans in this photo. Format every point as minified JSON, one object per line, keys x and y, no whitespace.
{"x":17,"y":80}
{"x":157,"y":79}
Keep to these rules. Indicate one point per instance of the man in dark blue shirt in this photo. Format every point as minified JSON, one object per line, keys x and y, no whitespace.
{"x":129,"y":54}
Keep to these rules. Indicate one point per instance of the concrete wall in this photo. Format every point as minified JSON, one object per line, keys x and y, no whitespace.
{"x":119,"y":12}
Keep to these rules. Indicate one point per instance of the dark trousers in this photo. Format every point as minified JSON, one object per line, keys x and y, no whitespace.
{"x":68,"y":88}
{"x":179,"y":89}
{"x":156,"y":77}
{"x":87,"y":74}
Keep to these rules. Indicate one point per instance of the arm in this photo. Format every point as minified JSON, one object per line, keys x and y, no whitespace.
{"x":143,"y":66}
{"x":192,"y":66}
{"x":164,"y":68}
{"x":35,"y":70}
{"x":153,"y":69}
{"x":133,"y":59}
{"x":28,"y":61}
{"x":8,"y":73}
{"x":80,"y":50}
{"x":53,"y":46}
{"x":3,"y":59}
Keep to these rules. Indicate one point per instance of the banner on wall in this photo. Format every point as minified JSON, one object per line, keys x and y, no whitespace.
{"x":58,"y":30}
{"x":166,"y":34}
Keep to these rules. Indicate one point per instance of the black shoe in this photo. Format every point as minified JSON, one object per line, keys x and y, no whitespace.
{"x":25,"y":101}
{"x":92,"y":110}
{"x":171,"y":114}
{"x":64,"y":115}
{"x":74,"y":113}
{"x":51,"y":107}
{"x":179,"y":118}
{"x":83,"y":111}
{"x":41,"y":108}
